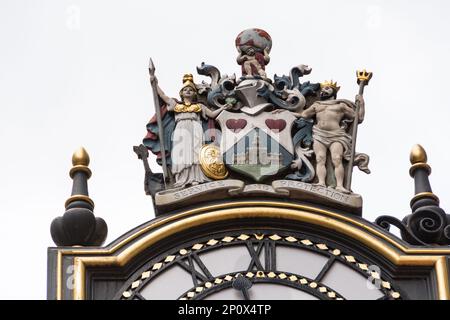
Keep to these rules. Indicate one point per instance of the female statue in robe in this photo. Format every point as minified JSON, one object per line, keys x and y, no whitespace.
{"x":187,"y":136}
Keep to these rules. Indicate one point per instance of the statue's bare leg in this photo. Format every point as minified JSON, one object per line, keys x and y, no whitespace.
{"x":261,"y":72}
{"x":337,"y":151}
{"x":320,"y":151}
{"x":248,"y":67}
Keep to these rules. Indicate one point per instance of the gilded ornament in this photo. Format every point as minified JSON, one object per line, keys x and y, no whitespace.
{"x":80,"y":157}
{"x":211,"y":162}
{"x":418,"y":154}
{"x":184,"y":107}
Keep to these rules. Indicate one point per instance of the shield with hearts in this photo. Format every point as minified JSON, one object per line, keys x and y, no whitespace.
{"x":257,"y":146}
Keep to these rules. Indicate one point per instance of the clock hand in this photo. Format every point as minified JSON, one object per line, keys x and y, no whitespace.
{"x":243,"y":284}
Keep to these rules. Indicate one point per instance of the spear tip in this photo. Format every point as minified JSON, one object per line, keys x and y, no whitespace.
{"x":151,"y":65}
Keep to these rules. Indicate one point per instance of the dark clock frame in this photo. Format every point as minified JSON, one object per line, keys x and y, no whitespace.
{"x":101,"y":273}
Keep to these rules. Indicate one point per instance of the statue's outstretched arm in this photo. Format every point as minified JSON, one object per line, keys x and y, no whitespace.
{"x":164,"y":97}
{"x":169,"y":101}
{"x":210,"y":113}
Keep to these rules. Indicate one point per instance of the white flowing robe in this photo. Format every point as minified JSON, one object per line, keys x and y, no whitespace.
{"x":187,"y":141}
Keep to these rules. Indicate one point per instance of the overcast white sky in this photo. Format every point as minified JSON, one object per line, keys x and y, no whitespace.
{"x":75,"y":73}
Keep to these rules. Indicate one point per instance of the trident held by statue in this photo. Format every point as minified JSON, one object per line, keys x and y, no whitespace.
{"x":363,"y":78}
{"x":151,"y":70}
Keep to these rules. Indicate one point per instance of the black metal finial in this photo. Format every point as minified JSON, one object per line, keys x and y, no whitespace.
{"x":428,"y":224}
{"x":78,"y":225}
{"x":419,"y":171}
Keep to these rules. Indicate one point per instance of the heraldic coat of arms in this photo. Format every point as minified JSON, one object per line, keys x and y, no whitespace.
{"x":250,"y":135}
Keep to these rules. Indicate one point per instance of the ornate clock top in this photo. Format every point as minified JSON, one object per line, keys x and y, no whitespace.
{"x":253,"y":136}
{"x":256,"y":176}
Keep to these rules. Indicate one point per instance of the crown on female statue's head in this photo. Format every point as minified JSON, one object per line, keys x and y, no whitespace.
{"x":330,"y":84}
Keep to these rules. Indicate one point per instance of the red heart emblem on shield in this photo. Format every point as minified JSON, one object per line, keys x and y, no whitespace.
{"x":276,"y":125}
{"x":236,"y":125}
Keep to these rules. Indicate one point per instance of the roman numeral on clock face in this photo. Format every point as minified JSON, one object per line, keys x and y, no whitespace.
{"x":194,"y":265}
{"x":266,"y":247}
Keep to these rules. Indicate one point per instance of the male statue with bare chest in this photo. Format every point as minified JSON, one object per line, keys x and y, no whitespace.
{"x":330,"y":131}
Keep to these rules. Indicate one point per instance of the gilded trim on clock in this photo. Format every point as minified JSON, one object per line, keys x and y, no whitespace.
{"x":256,"y":204}
{"x":350,"y":226}
{"x":306,"y":243}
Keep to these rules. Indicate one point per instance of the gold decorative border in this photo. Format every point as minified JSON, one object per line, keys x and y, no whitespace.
{"x":365,"y":233}
{"x":79,"y":197}
{"x":422,"y":195}
{"x":321,"y":289}
{"x":305,"y":243}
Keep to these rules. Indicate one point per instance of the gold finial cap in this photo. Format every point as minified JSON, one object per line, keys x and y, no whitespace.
{"x":80,"y":157}
{"x":418,"y":154}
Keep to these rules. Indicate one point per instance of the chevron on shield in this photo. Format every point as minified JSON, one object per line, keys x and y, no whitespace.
{"x":257,"y":146}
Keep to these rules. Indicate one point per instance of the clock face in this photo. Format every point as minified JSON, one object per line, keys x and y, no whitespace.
{"x":259,"y":264}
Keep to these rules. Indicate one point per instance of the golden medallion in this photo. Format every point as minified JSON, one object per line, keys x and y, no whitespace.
{"x":211,"y":162}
